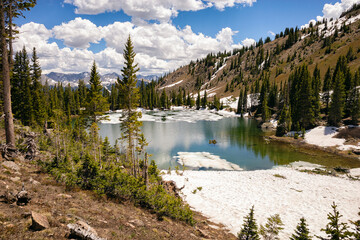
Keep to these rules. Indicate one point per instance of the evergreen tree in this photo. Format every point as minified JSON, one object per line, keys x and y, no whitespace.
{"x":249,"y":228}
{"x":272,"y":228}
{"x":284,"y":124}
{"x":130,"y":125}
{"x":21,"y":84}
{"x":245,"y":102}
{"x":326,"y":90}
{"x":334,"y":229}
{"x":336,"y":110}
{"x":240,"y":104}
{"x":354,"y":99}
{"x":96,"y":104}
{"x":37,"y":93}
{"x":356,"y":233}
{"x":198,"y":101}
{"x":301,"y":231}
{"x":204,"y":100}
{"x":265,"y":115}
{"x":316,"y":86}
{"x":163,"y":99}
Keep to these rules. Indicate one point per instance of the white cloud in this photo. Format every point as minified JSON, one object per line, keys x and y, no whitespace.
{"x":162,"y":10}
{"x":78,"y":33}
{"x":160,"y":47}
{"x":271,"y":33}
{"x":335,"y":10}
{"x":247,"y":42}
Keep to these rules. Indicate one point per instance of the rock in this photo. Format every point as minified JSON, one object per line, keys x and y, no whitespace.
{"x":15,"y":179}
{"x":356,"y":151}
{"x":203,"y":233}
{"x":137,"y":223}
{"x":8,"y":197}
{"x":32,"y":181}
{"x":23,"y":198}
{"x":83,"y":231}
{"x":39,"y":222}
{"x":62,"y":195}
{"x":267,"y":126}
{"x":11,"y":165}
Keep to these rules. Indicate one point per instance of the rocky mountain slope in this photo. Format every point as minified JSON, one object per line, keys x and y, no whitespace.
{"x":224,"y":74}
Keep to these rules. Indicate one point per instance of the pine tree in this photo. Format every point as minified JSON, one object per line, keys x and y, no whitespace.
{"x":301,"y":231}
{"x":249,"y":228}
{"x":245,"y":102}
{"x":37,"y":93}
{"x":204,"y":100}
{"x":336,"y":110}
{"x":356,"y":233}
{"x":240,"y":104}
{"x":198,"y":101}
{"x":326,"y":90}
{"x":163,"y":99}
{"x":21,"y":84}
{"x":272,"y":228}
{"x":334,"y":229}
{"x":130,"y":125}
{"x":265,"y":115}
{"x":354,"y":99}
{"x":96,"y":104}
{"x":316,"y":86}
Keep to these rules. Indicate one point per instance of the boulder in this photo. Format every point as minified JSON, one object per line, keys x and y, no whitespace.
{"x":11,"y":165}
{"x":39,"y":222}
{"x":23,"y":198}
{"x":83,"y":231}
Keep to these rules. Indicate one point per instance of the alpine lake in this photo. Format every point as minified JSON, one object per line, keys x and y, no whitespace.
{"x":238,"y":141}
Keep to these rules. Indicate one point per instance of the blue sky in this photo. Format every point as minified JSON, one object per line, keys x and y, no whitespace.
{"x":70,"y":34}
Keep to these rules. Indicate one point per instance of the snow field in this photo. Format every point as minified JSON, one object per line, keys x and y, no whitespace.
{"x":226,"y":196}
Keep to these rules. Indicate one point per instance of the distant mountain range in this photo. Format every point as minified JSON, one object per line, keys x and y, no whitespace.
{"x":73,"y":78}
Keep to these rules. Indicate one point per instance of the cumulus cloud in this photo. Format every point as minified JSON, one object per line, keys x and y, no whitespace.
{"x":335,"y":10}
{"x":78,"y":33}
{"x":247,"y":42}
{"x":162,"y":10}
{"x":160,"y":47}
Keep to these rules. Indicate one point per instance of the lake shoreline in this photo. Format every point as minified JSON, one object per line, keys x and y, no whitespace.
{"x":300,"y":144}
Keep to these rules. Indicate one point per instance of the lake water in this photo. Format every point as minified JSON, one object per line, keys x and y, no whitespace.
{"x":239,"y":141}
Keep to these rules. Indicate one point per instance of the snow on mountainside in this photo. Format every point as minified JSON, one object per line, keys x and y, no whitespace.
{"x":73,"y":78}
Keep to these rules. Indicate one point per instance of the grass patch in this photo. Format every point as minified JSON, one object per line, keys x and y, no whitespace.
{"x":279,"y":176}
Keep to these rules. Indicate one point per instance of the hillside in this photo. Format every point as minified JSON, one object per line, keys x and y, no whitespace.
{"x":61,"y":205}
{"x":224,"y":74}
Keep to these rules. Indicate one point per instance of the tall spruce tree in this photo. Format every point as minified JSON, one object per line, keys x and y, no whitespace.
{"x":21,"y":88}
{"x":301,"y":231}
{"x":316,"y":87}
{"x":240,"y":104}
{"x":37,"y":91}
{"x":96,"y":104}
{"x":249,"y":230}
{"x":326,"y":90}
{"x":130,"y":125}
{"x":354,"y":99}
{"x":336,"y":111}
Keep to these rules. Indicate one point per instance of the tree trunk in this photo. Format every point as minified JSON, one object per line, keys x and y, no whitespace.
{"x":146,"y":174}
{"x":9,"y":122}
{"x":11,"y":51}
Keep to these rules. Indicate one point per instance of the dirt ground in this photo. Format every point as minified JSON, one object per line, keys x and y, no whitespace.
{"x":111,"y":220}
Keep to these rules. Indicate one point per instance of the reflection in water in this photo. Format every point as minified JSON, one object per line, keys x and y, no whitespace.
{"x":238,"y":141}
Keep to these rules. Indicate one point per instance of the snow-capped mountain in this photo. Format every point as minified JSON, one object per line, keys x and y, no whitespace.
{"x":73,"y":78}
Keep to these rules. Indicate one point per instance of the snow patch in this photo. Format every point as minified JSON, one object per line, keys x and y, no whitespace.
{"x":227,"y":196}
{"x":205,"y":160}
{"x":171,"y":85}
